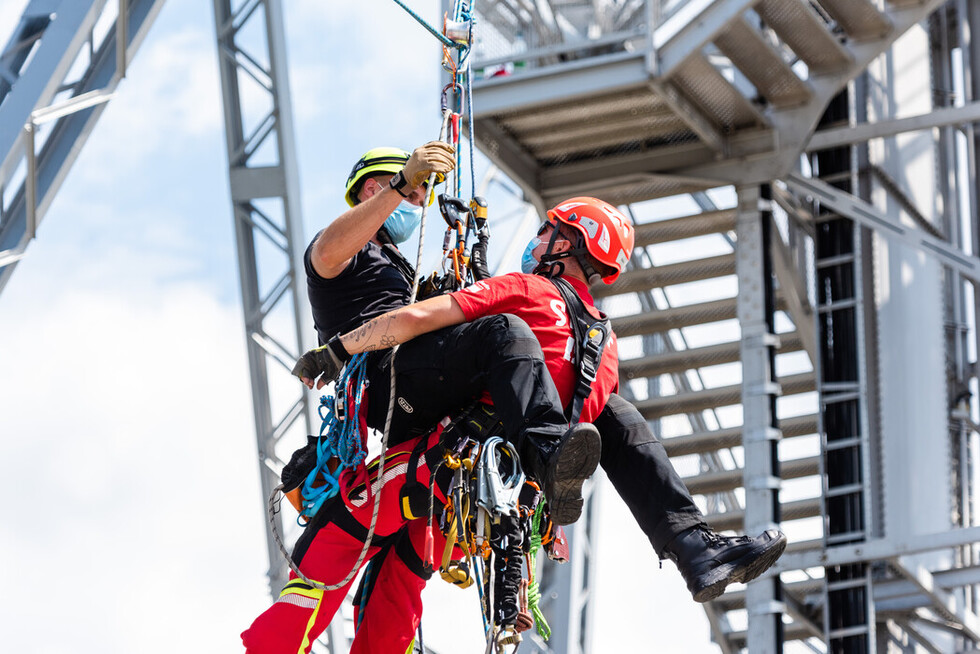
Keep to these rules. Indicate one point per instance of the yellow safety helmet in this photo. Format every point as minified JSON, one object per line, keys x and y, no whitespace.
{"x":377,"y":161}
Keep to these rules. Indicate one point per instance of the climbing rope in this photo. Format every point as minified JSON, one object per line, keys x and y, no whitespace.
{"x":533,"y":589}
{"x":446,"y":41}
{"x":342,"y":440}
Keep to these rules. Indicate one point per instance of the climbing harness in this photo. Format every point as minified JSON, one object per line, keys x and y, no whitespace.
{"x":591,"y":336}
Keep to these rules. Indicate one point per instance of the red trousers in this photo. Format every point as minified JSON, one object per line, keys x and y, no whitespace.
{"x":393,"y":612}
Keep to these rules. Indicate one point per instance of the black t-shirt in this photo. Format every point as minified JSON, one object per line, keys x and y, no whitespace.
{"x":370,"y":285}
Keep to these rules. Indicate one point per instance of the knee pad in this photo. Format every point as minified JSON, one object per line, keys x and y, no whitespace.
{"x":621,"y":421}
{"x":509,"y":335}
{"x":300,"y":593}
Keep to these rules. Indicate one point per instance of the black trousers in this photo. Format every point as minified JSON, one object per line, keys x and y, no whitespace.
{"x":638,"y":467}
{"x":439,"y":373}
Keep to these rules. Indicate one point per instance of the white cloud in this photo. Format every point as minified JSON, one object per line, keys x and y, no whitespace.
{"x":128,"y":438}
{"x":170,"y":99}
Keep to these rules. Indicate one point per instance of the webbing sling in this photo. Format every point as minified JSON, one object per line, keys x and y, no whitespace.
{"x":590,"y":337}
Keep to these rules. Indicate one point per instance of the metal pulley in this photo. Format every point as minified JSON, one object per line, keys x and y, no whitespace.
{"x":459,"y":31}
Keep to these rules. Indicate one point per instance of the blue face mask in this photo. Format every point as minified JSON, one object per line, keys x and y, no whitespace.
{"x":528,"y":262}
{"x":403,"y":221}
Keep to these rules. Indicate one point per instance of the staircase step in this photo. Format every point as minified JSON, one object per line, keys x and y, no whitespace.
{"x":860,"y":19}
{"x":792,"y":631}
{"x":699,"y":357}
{"x":762,"y":65}
{"x":799,"y":26}
{"x":693,"y":401}
{"x":676,"y":229}
{"x":572,"y":130}
{"x":728,"y":480}
{"x":656,"y":322}
{"x":634,"y":281}
{"x":601,"y":133}
{"x":801,"y":589}
{"x":905,"y":3}
{"x":735,"y":520}
{"x":715,"y":96}
{"x":712,"y":441}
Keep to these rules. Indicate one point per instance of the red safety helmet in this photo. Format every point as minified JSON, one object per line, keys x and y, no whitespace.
{"x":607,"y":233}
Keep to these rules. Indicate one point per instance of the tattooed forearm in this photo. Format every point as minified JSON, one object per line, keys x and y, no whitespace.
{"x":376,"y":334}
{"x":363,"y":333}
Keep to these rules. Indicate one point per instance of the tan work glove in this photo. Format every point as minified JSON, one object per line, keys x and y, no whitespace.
{"x":433,"y":157}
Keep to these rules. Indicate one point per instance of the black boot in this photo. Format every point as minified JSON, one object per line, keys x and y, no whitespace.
{"x":709,"y":562}
{"x":563,"y":470}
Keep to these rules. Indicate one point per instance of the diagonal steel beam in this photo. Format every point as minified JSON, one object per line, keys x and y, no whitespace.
{"x":38,"y":83}
{"x":868,"y":216}
{"x":794,"y":292}
{"x":68,"y":133}
{"x":918,"y":637}
{"x":852,"y":134}
{"x":944,"y":604}
{"x":680,"y":37}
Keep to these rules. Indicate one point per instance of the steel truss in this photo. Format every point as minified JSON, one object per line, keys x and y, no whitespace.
{"x":264,"y":182}
{"x":45,"y":116}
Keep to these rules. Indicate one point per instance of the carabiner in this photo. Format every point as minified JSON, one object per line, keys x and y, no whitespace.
{"x":498,"y":494}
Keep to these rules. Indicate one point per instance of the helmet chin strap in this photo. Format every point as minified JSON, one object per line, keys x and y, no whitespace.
{"x":551,"y":265}
{"x":591,"y":273}
{"x":551,"y":268}
{"x":384,"y":236}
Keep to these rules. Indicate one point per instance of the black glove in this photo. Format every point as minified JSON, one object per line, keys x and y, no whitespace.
{"x":300,"y":465}
{"x":327,"y":360}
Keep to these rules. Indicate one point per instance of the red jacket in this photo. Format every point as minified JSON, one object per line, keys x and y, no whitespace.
{"x":537,"y":302}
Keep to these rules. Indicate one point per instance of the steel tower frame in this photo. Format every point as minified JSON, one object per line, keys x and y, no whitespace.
{"x":45,"y":116}
{"x":757,"y":143}
{"x":265,"y":195}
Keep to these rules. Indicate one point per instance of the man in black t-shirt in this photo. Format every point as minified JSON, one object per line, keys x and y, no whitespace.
{"x":355,"y":273}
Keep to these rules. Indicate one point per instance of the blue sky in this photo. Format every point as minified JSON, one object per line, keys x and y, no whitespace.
{"x":137,"y":520}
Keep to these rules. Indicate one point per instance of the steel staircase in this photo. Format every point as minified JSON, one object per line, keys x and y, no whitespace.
{"x":722,"y":91}
{"x":706,"y":431}
{"x":631,"y":101}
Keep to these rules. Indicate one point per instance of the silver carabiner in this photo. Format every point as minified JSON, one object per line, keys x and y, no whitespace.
{"x":498,"y":493}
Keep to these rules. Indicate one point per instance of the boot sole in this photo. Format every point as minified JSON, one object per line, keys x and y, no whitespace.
{"x":578,"y":458}
{"x":742,"y":570}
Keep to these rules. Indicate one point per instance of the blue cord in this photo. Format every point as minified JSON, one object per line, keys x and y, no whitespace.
{"x":343,"y":439}
{"x":442,"y":38}
{"x":478,"y":578}
{"x":469,"y":112}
